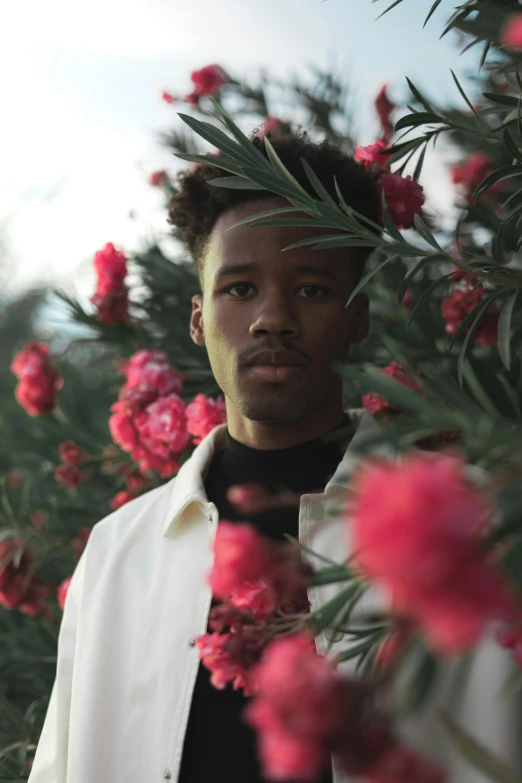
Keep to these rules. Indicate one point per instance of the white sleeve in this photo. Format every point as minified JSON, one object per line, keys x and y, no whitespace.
{"x":51,"y":759}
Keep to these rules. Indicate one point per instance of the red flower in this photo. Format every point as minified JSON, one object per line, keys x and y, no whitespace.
{"x":149,"y":370}
{"x":259,"y":598}
{"x":273,"y":125}
{"x":70,"y":452}
{"x":15,"y":590}
{"x":167,"y":97}
{"x":241,"y":555}
{"x":203,"y":415}
{"x":39,"y":382}
{"x":374,"y":403}
{"x":110,"y":297}
{"x":121,"y":498}
{"x":297,"y":709}
{"x":230,"y":658}
{"x":511,"y":33}
{"x":402,"y":765}
{"x":136,"y":482}
{"x":404,"y":198}
{"x":373,"y":155}
{"x":468,"y":175}
{"x":79,"y":542}
{"x":418,"y":529}
{"x":408,"y":299}
{"x":385,"y":109}
{"x":70,"y":475}
{"x":122,"y":429}
{"x":459,"y":303}
{"x":208,"y":80}
{"x":61,"y":592}
{"x":158,"y":178}
{"x":162,"y":426}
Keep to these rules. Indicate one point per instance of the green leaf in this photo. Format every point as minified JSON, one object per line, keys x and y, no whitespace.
{"x":419,"y":164}
{"x":265,"y":213}
{"x":421,"y":684}
{"x":408,"y":279}
{"x":425,"y":233}
{"x":276,"y":184}
{"x":368,"y":276}
{"x":235,"y":183}
{"x":389,"y":8}
{"x":388,"y":222}
{"x":473,"y":328}
{"x":330,"y":575}
{"x":425,"y":294}
{"x":214,"y":136}
{"x":317,"y":184}
{"x":248,"y":149}
{"x":281,"y":169}
{"x":505,"y":172}
{"x":505,"y":100}
{"x":432,"y":11}
{"x":224,"y":163}
{"x":330,"y":240}
{"x":504,"y":330}
{"x":461,"y":90}
{"x":477,"y":755}
{"x":416,"y":119}
{"x":324,"y":617}
{"x":510,"y":145}
{"x":360,"y":647}
{"x":420,"y":97}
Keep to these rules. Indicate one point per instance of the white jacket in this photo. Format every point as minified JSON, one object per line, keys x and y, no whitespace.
{"x":127,"y":664}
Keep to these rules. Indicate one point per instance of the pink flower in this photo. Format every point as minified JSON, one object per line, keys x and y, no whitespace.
{"x":15,"y":590}
{"x":61,"y":592}
{"x":297,"y":709}
{"x":408,"y":299}
{"x":113,"y":307}
{"x":203,"y":414}
{"x":384,"y":108}
{"x":70,"y":475}
{"x":404,"y":198}
{"x":259,"y":598}
{"x":167,"y":97}
{"x":163,"y":423}
{"x":208,"y":80}
{"x":111,"y":268}
{"x":459,"y":303}
{"x":149,"y":370}
{"x":136,"y":482}
{"x":374,"y":403}
{"x":158,"y":178}
{"x":122,"y":429}
{"x":230,"y":658}
{"x":70,"y":452}
{"x":273,"y":125}
{"x":402,"y":765}
{"x":373,"y":155}
{"x":39,"y":382}
{"x":511,"y":33}
{"x":121,"y":498}
{"x":241,"y":555}
{"x":418,"y":530}
{"x":468,"y":175}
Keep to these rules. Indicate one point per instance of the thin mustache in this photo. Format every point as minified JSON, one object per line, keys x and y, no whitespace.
{"x":247,"y":357}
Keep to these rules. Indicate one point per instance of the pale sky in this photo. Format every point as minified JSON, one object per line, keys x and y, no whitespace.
{"x":82,"y":109}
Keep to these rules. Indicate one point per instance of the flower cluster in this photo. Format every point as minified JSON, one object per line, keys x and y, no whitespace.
{"x":374,"y":403}
{"x":418,"y":529}
{"x":150,"y":420}
{"x":206,"y":81}
{"x":511,"y":33}
{"x":261,"y":586}
{"x":38,"y":381}
{"x":462,"y":299}
{"x":18,"y":590}
{"x":110,"y":298}
{"x":468,"y":175}
{"x":69,"y":472}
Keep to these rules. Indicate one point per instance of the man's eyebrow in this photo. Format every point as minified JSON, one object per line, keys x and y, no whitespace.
{"x":235,"y":269}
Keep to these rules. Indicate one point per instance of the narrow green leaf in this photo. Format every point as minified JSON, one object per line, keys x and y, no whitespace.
{"x":317,"y":184}
{"x":469,"y":318}
{"x":324,"y":617}
{"x":420,"y":685}
{"x":359,"y":648}
{"x":214,"y":136}
{"x":425,"y":232}
{"x":504,"y":330}
{"x":419,"y":164}
{"x":505,"y":100}
{"x":485,"y":51}
{"x":505,"y":172}
{"x":420,"y":97}
{"x":418,"y":118}
{"x":368,"y":276}
{"x":407,"y":279}
{"x":510,"y":145}
{"x":235,"y":183}
{"x":276,"y":184}
{"x":224,"y":163}
{"x":432,"y":11}
{"x":249,"y":150}
{"x":265,"y":213}
{"x":461,"y":90}
{"x":330,"y":575}
{"x":388,"y":222}
{"x":281,"y":168}
{"x":472,"y":329}
{"x":425,"y":294}
{"x":326,"y":239}
{"x":389,"y":8}
{"x":477,"y":755}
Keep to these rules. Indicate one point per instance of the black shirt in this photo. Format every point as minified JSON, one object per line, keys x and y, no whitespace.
{"x":218,"y":744}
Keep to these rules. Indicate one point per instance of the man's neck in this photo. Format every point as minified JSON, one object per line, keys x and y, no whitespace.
{"x":282,"y":434}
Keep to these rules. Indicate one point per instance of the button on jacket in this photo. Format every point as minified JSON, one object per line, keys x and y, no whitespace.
{"x":127,"y":662}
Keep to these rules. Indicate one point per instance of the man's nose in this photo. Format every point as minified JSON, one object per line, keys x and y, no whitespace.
{"x":275,"y":315}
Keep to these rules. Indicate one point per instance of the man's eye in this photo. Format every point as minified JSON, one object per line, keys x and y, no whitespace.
{"x":312,"y":291}
{"x":242,"y":287}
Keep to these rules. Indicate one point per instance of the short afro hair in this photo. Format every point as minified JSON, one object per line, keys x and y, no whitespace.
{"x":196,"y":206}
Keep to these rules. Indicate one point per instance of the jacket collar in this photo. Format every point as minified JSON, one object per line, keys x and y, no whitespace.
{"x":188,"y":485}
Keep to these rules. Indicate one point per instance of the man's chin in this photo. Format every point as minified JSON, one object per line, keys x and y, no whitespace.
{"x":273,"y":408}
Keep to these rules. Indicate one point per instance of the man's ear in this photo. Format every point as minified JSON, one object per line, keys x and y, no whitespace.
{"x":196,"y":321}
{"x":361,"y":318}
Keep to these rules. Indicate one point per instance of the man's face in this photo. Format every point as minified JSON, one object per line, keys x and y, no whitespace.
{"x":257,"y":299}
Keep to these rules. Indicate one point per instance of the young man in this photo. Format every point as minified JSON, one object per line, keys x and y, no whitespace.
{"x":130,"y":702}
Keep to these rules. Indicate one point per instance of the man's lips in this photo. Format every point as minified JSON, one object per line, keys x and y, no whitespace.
{"x":276,"y":373}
